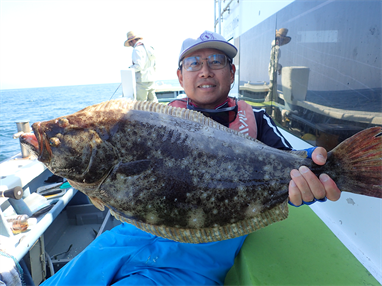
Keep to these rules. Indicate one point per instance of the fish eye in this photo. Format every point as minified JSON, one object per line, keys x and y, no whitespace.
{"x":63,"y":122}
{"x":54,"y":142}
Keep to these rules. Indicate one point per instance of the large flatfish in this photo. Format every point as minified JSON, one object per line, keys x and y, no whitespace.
{"x":180,"y":175}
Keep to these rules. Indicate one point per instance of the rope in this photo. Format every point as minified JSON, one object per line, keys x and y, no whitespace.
{"x":18,"y":267}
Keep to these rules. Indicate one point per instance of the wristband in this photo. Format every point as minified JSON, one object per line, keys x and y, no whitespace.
{"x":308,"y":203}
{"x":309,"y":152}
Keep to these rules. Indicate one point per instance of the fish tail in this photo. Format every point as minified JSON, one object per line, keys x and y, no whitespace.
{"x":356,"y":164}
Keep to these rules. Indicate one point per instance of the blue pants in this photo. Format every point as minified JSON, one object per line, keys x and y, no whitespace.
{"x":128,"y":256}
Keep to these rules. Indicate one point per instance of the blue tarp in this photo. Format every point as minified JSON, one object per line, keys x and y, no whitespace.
{"x":128,"y":256}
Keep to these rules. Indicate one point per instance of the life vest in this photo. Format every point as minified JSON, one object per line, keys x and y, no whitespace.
{"x":245,"y":121}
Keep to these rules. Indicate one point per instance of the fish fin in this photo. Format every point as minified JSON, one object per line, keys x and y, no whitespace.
{"x":150,"y":106}
{"x":187,"y":114}
{"x":97,"y":203}
{"x":130,"y":168}
{"x":204,"y":235}
{"x":120,"y":103}
{"x":358,"y":160}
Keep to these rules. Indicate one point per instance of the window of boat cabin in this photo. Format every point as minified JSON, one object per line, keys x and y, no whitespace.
{"x":315,"y":66}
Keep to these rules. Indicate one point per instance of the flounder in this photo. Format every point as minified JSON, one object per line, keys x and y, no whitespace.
{"x":177,"y":174}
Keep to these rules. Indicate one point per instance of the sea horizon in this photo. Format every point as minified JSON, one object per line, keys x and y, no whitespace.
{"x":174,"y":82}
{"x":45,"y":103}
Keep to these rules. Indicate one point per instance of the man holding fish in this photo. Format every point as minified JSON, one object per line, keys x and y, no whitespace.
{"x":206,"y":73}
{"x":127,"y":255}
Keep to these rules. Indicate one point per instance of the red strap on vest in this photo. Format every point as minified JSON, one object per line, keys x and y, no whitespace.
{"x":179,"y":103}
{"x":245,"y":121}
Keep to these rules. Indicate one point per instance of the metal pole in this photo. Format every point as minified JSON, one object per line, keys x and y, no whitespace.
{"x":220,"y":22}
{"x":23,"y":127}
{"x":215,"y":16}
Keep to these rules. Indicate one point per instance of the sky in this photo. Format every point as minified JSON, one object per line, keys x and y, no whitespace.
{"x":75,"y":42}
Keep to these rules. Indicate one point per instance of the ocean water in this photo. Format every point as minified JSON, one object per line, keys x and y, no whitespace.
{"x":45,"y":103}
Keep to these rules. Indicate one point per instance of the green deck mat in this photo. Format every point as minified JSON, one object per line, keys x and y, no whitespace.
{"x":300,"y":250}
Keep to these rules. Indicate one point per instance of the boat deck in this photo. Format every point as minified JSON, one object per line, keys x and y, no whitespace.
{"x":300,"y":250}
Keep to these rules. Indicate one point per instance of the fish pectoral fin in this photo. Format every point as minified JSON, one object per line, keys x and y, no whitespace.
{"x":132,"y":168}
{"x":97,"y":203}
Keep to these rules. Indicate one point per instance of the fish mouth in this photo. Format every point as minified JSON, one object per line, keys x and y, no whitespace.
{"x":29,"y":141}
{"x":37,"y":144}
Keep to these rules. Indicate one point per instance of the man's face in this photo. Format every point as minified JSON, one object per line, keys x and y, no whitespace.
{"x":207,"y":88}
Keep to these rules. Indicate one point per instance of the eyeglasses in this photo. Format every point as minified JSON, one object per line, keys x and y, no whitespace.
{"x":224,"y":116}
{"x":215,"y":62}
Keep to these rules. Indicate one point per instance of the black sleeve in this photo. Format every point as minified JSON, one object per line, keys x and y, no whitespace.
{"x":267,"y":131}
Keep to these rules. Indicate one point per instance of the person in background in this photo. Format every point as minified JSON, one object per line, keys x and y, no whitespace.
{"x":127,"y":255}
{"x":274,"y":67}
{"x":144,"y":62}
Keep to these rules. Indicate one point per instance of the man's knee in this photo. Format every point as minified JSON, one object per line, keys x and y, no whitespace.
{"x":141,"y":93}
{"x":151,"y":96}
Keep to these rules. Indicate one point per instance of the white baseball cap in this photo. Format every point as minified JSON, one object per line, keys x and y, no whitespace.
{"x":207,"y":40}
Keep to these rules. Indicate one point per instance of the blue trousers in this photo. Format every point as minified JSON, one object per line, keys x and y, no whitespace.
{"x":126,"y":255}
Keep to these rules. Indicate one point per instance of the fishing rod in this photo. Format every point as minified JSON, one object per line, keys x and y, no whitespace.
{"x":115,"y":91}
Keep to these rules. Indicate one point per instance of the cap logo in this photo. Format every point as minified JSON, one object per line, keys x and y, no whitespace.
{"x":206,"y":36}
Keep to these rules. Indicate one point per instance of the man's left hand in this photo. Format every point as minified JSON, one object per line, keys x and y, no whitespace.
{"x":305,"y":186}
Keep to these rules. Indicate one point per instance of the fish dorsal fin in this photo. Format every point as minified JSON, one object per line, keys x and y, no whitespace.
{"x":185,"y":114}
{"x":115,"y":104}
{"x":127,"y":104}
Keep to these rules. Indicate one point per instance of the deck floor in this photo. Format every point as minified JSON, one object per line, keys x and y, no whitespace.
{"x":300,"y":250}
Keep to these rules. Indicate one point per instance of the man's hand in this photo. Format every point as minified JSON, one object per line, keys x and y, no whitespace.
{"x":305,"y":186}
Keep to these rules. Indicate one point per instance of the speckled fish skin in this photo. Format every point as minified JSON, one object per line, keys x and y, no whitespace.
{"x":169,"y":171}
